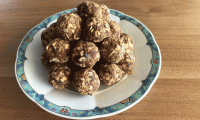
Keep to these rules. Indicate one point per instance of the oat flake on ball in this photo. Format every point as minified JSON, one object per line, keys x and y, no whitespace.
{"x":115,"y":30}
{"x":127,"y":40}
{"x":109,"y":74}
{"x":96,"y":29}
{"x":86,"y":81}
{"x":58,"y":76}
{"x":57,"y":50}
{"x":112,"y":51}
{"x":89,"y":9}
{"x":45,"y":60}
{"x":105,"y":12}
{"x":127,"y":63}
{"x":48,"y":35}
{"x":85,"y":54}
{"x":68,"y":26}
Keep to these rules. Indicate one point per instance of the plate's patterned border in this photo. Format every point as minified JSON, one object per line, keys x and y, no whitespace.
{"x":64,"y":110}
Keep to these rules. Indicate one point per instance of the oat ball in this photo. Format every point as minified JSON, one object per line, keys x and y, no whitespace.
{"x":68,"y":26}
{"x":115,"y":30}
{"x":128,"y":41}
{"x":45,"y":60}
{"x":86,"y":81}
{"x":89,"y":9}
{"x":96,"y":29}
{"x":48,"y":35}
{"x":109,"y":74}
{"x":85,"y":54}
{"x":58,"y":76}
{"x":105,"y":12}
{"x":127,"y":63}
{"x":112,"y":51}
{"x":57,"y":50}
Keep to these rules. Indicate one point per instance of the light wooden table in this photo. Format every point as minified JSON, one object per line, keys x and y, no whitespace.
{"x":175,"y":25}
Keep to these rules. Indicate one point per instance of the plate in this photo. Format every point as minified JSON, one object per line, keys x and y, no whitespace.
{"x":32,"y":75}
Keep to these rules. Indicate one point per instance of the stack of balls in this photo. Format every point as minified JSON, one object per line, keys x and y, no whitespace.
{"x":85,"y":47}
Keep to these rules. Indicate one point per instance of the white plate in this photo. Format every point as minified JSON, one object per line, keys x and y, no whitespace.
{"x":32,"y":75}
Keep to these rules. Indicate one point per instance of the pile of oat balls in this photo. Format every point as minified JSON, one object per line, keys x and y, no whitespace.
{"x":84,"y":48}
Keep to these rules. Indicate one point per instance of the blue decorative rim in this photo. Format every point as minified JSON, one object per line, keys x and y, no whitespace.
{"x":64,"y":110}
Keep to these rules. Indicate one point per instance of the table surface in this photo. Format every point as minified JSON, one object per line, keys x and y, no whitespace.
{"x":176,"y":28}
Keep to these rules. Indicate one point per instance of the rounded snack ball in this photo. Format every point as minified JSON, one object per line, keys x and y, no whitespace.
{"x":109,"y":74}
{"x":48,"y":35}
{"x":58,"y":76}
{"x":68,"y":26}
{"x":89,"y":9}
{"x":112,"y":51}
{"x":86,"y":81}
{"x":105,"y":12}
{"x":127,"y":63}
{"x":45,"y":60}
{"x":115,"y":30}
{"x":128,"y":42}
{"x":57,"y":50}
{"x":85,"y":54}
{"x":96,"y":29}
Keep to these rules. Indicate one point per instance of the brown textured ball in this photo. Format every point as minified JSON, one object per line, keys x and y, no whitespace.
{"x":58,"y":76}
{"x":89,"y":9}
{"x":48,"y":35}
{"x":112,"y":51}
{"x":127,"y":63}
{"x":86,"y":81}
{"x":115,"y":30}
{"x":57,"y":50}
{"x":85,"y":54}
{"x":109,"y":74}
{"x":128,"y":42}
{"x":105,"y":12}
{"x":96,"y":29}
{"x":45,"y":60}
{"x":68,"y":26}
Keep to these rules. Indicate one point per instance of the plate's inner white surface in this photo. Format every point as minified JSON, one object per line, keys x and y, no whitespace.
{"x":36,"y":74}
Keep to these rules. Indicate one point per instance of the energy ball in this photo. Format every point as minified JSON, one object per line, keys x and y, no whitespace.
{"x":109,"y":74}
{"x":115,"y":30}
{"x":127,"y":63}
{"x":57,"y":50}
{"x":112,"y":51}
{"x":45,"y":60}
{"x":96,"y":29}
{"x":105,"y":12}
{"x":58,"y":76}
{"x":69,"y":26}
{"x":85,"y":54}
{"x":86,"y":81}
{"x":48,"y":35}
{"x":128,"y":41}
{"x":89,"y":9}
